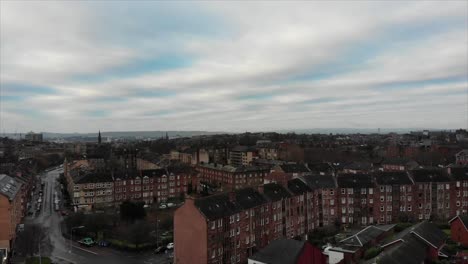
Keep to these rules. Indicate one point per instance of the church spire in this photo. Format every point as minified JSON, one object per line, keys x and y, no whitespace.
{"x":99,"y":137}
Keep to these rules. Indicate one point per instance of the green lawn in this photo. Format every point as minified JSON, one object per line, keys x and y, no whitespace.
{"x":35,"y":260}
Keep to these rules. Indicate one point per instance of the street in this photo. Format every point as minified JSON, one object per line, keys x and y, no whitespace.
{"x":59,"y":248}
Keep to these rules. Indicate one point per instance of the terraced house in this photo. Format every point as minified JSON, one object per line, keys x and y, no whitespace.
{"x":12,"y":206}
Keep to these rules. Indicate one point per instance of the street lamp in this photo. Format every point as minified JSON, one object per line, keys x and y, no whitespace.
{"x":71,"y":236}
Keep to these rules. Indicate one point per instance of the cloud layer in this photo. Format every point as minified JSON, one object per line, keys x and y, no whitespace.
{"x":80,"y":66}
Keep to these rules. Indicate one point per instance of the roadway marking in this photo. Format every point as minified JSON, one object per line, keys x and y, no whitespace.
{"x":89,"y":251}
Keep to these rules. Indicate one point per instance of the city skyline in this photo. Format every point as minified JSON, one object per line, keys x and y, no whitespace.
{"x":234,"y":67}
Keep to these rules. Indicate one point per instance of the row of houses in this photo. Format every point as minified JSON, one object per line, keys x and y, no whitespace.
{"x":230,"y":226}
{"x":14,"y":197}
{"x":91,"y":187}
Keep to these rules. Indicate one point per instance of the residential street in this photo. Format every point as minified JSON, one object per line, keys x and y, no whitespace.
{"x":59,"y":248}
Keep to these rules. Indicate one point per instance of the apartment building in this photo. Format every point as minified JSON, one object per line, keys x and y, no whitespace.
{"x":432,"y":193}
{"x":241,"y":155}
{"x":394,"y":199}
{"x":228,"y":177}
{"x":356,"y":199}
{"x":11,"y":209}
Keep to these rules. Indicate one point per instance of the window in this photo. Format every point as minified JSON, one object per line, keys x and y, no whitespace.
{"x":238,"y":230}
{"x":350,"y":191}
{"x":363,"y":191}
{"x":332,"y":192}
{"x":382,"y":188}
{"x":343,"y":191}
{"x":237,"y":216}
{"x":381,"y":209}
{"x":343,"y":200}
{"x":409,"y":208}
{"x":220,"y":222}
{"x":382,"y":198}
{"x":371,"y":190}
{"x":332,"y":202}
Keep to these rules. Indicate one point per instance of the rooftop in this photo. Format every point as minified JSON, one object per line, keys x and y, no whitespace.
{"x":275,"y":192}
{"x":393,"y":178}
{"x":9,"y":186}
{"x":281,"y":251}
{"x":316,"y":181}
{"x":430,"y":175}
{"x":349,"y":180}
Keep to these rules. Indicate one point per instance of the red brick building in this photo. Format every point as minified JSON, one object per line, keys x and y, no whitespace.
{"x":459,"y":201}
{"x":12,"y":205}
{"x":229,"y":178}
{"x":459,"y":229}
{"x":355,"y":199}
{"x":152,"y":186}
{"x":432,"y":193}
{"x":394,"y":199}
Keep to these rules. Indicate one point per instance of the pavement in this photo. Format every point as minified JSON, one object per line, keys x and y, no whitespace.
{"x":62,"y":251}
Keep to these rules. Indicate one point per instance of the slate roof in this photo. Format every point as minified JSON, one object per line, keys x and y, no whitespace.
{"x":430,"y":175}
{"x":358,"y":166}
{"x":364,"y":236}
{"x":87,"y":176}
{"x":9,"y":186}
{"x":316,"y":181}
{"x":281,"y":251}
{"x":297,"y":186}
{"x":410,"y":251}
{"x":217,"y":206}
{"x":320,"y":167}
{"x":154,"y":172}
{"x":248,"y":198}
{"x":275,"y":192}
{"x":393,"y":178}
{"x":397,"y":161}
{"x":459,"y":173}
{"x":425,"y":231}
{"x":349,"y":180}
{"x":294,"y":168}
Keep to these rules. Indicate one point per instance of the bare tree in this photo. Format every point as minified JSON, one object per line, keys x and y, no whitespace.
{"x":31,"y":239}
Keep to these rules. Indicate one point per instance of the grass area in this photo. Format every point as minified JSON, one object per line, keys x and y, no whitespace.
{"x":447,"y":231}
{"x":125,"y":244}
{"x":35,"y":260}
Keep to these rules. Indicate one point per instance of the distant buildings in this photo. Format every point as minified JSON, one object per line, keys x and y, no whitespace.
{"x":241,"y":156}
{"x":34,"y":137}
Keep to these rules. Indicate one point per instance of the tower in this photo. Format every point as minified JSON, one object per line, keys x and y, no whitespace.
{"x":99,"y":137}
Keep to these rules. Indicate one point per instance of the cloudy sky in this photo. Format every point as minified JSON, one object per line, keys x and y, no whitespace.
{"x":80,"y":66}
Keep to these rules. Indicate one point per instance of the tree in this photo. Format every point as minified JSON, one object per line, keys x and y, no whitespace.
{"x":139,"y":233}
{"x":130,"y":211}
{"x":371,"y":252}
{"x":28,"y":241}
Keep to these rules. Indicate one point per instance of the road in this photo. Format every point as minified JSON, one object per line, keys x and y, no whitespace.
{"x":59,"y":248}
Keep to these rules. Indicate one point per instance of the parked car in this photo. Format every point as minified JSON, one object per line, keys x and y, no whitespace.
{"x":162,"y":206}
{"x":170,"y":245}
{"x":87,"y":241}
{"x":20,"y":227}
{"x":103,"y":243}
{"x":170,"y":205}
{"x":160,"y":250}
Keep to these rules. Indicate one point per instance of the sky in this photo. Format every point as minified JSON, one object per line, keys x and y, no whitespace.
{"x":83,"y":66}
